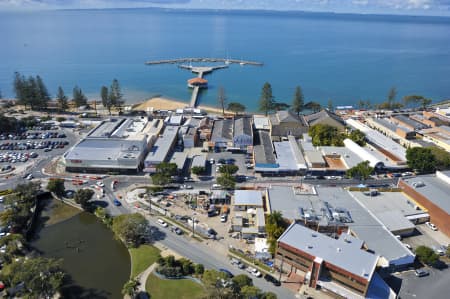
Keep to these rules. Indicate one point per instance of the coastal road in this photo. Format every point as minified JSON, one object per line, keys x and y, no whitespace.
{"x":200,"y":253}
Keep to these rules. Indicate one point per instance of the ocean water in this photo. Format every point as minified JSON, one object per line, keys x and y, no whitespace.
{"x":344,"y":58}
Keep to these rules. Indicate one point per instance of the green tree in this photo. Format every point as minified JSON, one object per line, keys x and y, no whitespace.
{"x":131,"y":228}
{"x":358,"y":137}
{"x":43,"y":97}
{"x":106,"y":101}
{"x":227,"y":181}
{"x":164,"y":172}
{"x":421,"y":159}
{"x":82,"y":197}
{"x":426,"y":255}
{"x":326,"y":135}
{"x":199,"y":269}
{"x":115,"y":94}
{"x":268,"y":295}
{"x":56,"y":186}
{"x":360,"y":171}
{"x":228,"y":168}
{"x":442,"y":157}
{"x":241,"y":281}
{"x":198,"y":170}
{"x":250,"y":292}
{"x":298,"y":101}
{"x":62,"y":100}
{"x":275,"y":227}
{"x":221,"y":98}
{"x":313,"y":106}
{"x":391,"y":97}
{"x":42,"y":277}
{"x":236,"y":107}
{"x":278,"y":106}
{"x":330,"y":106}
{"x":130,"y":288}
{"x":266,"y":101}
{"x":78,"y":97}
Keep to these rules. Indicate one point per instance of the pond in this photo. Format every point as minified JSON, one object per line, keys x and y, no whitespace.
{"x":98,"y":265}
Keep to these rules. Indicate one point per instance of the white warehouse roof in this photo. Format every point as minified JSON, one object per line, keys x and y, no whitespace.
{"x":363,"y":153}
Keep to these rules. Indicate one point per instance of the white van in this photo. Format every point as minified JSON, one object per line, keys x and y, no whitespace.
{"x":216,"y":186}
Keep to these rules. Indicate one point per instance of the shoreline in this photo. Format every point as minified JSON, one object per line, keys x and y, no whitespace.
{"x":166,"y":103}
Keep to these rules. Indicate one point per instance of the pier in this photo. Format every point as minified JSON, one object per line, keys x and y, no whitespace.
{"x":197,"y":59}
{"x":202,"y":70}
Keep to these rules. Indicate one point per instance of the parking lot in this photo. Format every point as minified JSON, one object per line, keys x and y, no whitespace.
{"x":427,"y":237}
{"x":239,"y":159}
{"x":21,"y":151}
{"x":434,"y":285}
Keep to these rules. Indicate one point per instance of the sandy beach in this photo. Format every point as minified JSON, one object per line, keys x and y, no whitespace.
{"x":160,"y":103}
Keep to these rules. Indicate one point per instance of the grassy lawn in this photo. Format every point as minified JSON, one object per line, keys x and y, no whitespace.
{"x":142,"y":257}
{"x":175,"y":288}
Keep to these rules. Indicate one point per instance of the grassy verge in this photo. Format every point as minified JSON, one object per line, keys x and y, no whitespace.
{"x":142,"y":257}
{"x":249,"y":261}
{"x":60,"y":211}
{"x":173,"y":288}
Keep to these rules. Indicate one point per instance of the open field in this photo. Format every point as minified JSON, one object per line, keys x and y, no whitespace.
{"x":173,"y":288}
{"x":142,"y":257}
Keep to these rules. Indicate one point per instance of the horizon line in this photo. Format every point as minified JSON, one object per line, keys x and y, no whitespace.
{"x":262,"y":10}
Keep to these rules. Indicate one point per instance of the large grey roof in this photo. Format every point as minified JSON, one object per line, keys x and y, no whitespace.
{"x":315,"y":118}
{"x":161,"y":148}
{"x":336,"y":252}
{"x":222,"y":130}
{"x":411,"y":122}
{"x":364,"y":225}
{"x":380,"y":140}
{"x":243,"y":126}
{"x":435,"y":189}
{"x":263,"y":148}
{"x":248,"y":198}
{"x":199,"y":160}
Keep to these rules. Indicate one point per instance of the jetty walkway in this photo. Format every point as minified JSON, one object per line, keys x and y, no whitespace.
{"x":199,"y":59}
{"x":202,"y":70}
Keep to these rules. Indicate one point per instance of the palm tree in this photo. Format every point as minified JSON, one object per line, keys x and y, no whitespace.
{"x":130,"y":288}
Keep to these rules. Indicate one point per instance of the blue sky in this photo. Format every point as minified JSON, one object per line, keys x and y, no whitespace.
{"x":410,"y":7}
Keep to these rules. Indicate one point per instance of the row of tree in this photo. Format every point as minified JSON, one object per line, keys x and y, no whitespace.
{"x":326,"y":135}
{"x":31,"y":277}
{"x":391,"y":102}
{"x":267,"y":102}
{"x":32,"y":92}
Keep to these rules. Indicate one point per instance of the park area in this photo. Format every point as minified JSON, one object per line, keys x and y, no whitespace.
{"x":173,"y":288}
{"x":142,"y":258}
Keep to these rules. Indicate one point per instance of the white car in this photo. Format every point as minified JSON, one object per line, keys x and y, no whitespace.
{"x":162,"y":223}
{"x":432,"y":226}
{"x":212,"y":161}
{"x":223,"y":218}
{"x":254,"y":272}
{"x":101,"y":184}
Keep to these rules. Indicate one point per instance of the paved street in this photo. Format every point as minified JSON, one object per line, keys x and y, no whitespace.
{"x":203,"y":254}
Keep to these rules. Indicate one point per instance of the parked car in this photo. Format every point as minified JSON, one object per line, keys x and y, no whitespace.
{"x":238,"y":263}
{"x":162,"y":223}
{"x":223,"y":218}
{"x":228,"y":273}
{"x":421,"y":272}
{"x":116,"y":202}
{"x":254,"y":272}
{"x":431,"y":226}
{"x":272,"y":279}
